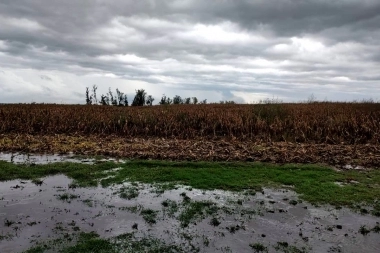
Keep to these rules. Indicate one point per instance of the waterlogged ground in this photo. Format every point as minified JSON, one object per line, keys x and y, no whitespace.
{"x":20,"y":158}
{"x":53,"y":213}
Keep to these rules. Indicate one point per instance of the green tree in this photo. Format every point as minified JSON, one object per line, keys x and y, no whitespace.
{"x":140,"y":98}
{"x":165,"y":100}
{"x":169,"y":101}
{"x":227,"y":102}
{"x":125,"y":100}
{"x":177,"y":100}
{"x":187,"y":101}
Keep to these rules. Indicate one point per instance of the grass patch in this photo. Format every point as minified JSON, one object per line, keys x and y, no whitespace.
{"x":84,"y":174}
{"x":170,"y":207}
{"x":8,"y":223}
{"x":196,"y":210}
{"x":214,"y":222}
{"x":37,"y":249}
{"x":132,"y":209}
{"x":67,"y":197}
{"x":161,"y":188}
{"x":129,"y":192}
{"x":258,"y":247}
{"x":88,"y":202}
{"x":315,"y":184}
{"x":91,"y":242}
{"x":7,"y":236}
{"x":149,"y":215}
{"x":364,"y":230}
{"x":286,"y":248}
{"x":376,"y":228}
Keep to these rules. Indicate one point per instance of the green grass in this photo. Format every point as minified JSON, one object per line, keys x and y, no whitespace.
{"x":129,"y":192}
{"x":132,"y":209}
{"x":315,"y":184}
{"x":88,"y":202}
{"x":258,"y":247}
{"x":149,"y":215}
{"x":161,"y":188}
{"x":37,"y":249}
{"x":67,"y":196}
{"x":364,"y":230}
{"x":84,"y":174}
{"x":286,"y":248}
{"x":170,"y":207}
{"x":195,"y":210}
{"x":91,"y":242}
{"x":95,"y":245}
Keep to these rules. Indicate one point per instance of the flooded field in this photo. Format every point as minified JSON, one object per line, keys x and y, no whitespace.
{"x":20,"y":158}
{"x":51,"y":213}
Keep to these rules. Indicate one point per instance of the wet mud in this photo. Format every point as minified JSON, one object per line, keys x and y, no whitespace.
{"x":33,"y":213}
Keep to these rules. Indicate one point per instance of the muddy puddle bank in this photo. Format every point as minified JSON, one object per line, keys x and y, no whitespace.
{"x":195,"y":220}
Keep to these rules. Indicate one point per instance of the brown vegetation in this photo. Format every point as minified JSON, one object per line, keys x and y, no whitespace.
{"x":366,"y":155}
{"x":329,"y":123}
{"x":330,"y":133}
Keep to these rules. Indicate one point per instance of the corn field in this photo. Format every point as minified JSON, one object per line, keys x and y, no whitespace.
{"x":332,"y":123}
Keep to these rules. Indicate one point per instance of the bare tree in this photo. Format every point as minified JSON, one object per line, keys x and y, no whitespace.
{"x":120,"y":97}
{"x":94,"y":88}
{"x":112,"y":99}
{"x":88,"y":97}
{"x":149,"y":100}
{"x":104,"y":100}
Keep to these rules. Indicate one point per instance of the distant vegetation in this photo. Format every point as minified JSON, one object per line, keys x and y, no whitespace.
{"x":141,"y":98}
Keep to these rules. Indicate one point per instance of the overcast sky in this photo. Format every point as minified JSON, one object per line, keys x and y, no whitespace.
{"x":242,"y":50}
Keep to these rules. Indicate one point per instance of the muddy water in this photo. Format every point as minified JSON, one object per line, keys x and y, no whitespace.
{"x":30,"y":213}
{"x":48,"y":158}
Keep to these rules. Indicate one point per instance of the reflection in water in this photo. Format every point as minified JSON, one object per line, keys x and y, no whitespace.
{"x":48,"y":158}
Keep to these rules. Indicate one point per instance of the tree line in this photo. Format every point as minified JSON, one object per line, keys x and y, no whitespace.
{"x":141,"y":98}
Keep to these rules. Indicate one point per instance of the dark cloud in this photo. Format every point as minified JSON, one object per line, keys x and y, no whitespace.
{"x":227,"y":49}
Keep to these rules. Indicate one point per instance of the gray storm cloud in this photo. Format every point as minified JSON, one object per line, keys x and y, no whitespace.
{"x":216,"y":50}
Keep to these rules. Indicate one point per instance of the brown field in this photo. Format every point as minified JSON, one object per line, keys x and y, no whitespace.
{"x":331,"y":123}
{"x":333,"y":133}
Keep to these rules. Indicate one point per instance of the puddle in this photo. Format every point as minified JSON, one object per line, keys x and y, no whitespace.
{"x":20,"y":158}
{"x":31,"y":213}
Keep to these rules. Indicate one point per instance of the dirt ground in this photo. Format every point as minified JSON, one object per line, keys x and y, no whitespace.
{"x":341,"y":156}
